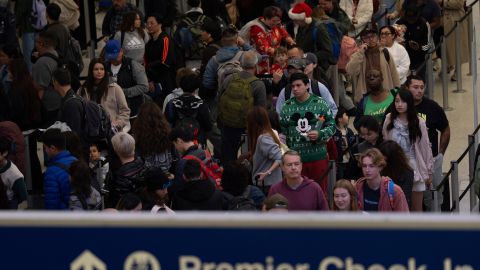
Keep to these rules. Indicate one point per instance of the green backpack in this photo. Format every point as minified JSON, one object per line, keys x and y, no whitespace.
{"x":235,"y":102}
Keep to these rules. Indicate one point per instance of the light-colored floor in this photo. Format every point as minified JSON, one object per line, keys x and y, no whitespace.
{"x":461,"y":116}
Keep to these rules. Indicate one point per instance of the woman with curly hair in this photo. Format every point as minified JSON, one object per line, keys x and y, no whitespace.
{"x":133,"y":36}
{"x":98,"y":88}
{"x":151,"y":131}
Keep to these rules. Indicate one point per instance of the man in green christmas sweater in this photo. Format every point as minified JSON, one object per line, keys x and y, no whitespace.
{"x":308,"y":124}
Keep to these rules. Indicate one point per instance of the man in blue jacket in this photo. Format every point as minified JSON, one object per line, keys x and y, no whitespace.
{"x":56,"y":182}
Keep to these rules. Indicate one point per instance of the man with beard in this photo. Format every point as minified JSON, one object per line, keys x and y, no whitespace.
{"x":376,"y":101}
{"x":371,"y":56}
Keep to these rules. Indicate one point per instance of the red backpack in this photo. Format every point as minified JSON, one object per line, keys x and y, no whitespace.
{"x":210,"y":169}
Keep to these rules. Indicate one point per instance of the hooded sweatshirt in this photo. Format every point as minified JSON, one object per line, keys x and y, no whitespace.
{"x":198,"y":195}
{"x":398,"y":204}
{"x":223,"y":54}
{"x":308,"y":196}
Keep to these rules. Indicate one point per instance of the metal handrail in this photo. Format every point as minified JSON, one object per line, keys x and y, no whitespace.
{"x":445,"y":35}
{"x":446,"y":177}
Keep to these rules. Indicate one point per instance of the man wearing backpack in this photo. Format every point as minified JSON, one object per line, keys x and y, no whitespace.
{"x":57,"y":29}
{"x":239,"y":93}
{"x":129,"y":74}
{"x":56,"y":181}
{"x":225,"y":61}
{"x":196,"y":193}
{"x":311,"y":35}
{"x":189,"y":110}
{"x":295,"y":65}
{"x":232,"y":48}
{"x":189,"y":31}
{"x":308,"y":124}
{"x":183,"y":140}
{"x":334,"y":12}
{"x":71,"y":108}
{"x":42,"y":72}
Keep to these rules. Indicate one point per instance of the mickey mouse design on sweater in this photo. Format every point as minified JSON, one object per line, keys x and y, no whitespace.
{"x":303,"y":124}
{"x":298,"y":119}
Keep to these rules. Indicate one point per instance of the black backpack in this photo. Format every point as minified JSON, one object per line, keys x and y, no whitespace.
{"x":73,"y":57}
{"x":242,"y":202}
{"x":71,"y":66}
{"x":188,"y":37}
{"x":96,"y":124}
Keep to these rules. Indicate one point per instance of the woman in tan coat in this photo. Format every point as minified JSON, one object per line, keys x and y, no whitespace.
{"x":98,"y":88}
{"x":70,"y":13}
{"x":453,"y":11}
{"x":371,"y":56}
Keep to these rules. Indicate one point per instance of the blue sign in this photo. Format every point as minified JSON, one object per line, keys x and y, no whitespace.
{"x":259,"y":242}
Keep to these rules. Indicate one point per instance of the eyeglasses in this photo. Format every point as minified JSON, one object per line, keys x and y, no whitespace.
{"x":385,"y":33}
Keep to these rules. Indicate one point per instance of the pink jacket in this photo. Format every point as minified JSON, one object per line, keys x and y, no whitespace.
{"x":399,"y":203}
{"x":423,"y":150}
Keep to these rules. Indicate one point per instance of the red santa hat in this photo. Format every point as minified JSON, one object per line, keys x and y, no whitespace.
{"x":301,"y":11}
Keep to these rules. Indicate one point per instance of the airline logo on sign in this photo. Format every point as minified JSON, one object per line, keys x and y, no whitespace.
{"x":88,"y":261}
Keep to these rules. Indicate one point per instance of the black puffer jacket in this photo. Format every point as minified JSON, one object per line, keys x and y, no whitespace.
{"x":128,"y":178}
{"x":197,"y":195}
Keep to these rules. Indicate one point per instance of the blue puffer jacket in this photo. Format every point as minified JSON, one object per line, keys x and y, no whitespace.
{"x":56,"y":182}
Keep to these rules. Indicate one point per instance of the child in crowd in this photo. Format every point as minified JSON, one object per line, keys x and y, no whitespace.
{"x":344,"y":138}
{"x":82,"y":195}
{"x":11,"y":176}
{"x":279,"y":60}
{"x":99,"y":166}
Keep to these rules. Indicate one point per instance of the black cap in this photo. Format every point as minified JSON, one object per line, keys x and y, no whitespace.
{"x":155,"y":179}
{"x":369,"y":28}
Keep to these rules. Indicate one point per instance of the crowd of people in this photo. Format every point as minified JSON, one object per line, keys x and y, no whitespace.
{"x":209,"y":110}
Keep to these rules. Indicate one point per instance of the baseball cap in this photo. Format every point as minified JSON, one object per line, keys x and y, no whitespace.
{"x":296,"y":62}
{"x":112,"y":49}
{"x":310,"y":58}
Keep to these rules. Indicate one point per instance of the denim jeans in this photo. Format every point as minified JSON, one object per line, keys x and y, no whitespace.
{"x":28,"y":44}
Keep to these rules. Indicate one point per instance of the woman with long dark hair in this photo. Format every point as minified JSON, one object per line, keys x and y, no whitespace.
{"x":98,"y":88}
{"x":403,"y":126}
{"x":133,"y":36}
{"x":398,"y":167}
{"x":264,"y":148}
{"x":23,"y":95}
{"x":83,"y":196}
{"x":151,"y":131}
